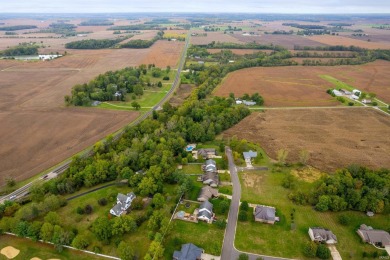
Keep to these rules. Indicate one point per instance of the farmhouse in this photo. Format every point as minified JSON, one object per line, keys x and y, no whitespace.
{"x":205,"y":212}
{"x":188,"y":252}
{"x":238,"y":102}
{"x":207,"y":193}
{"x":356,"y":92}
{"x":265,"y":214}
{"x":374,"y":236}
{"x":346,"y":92}
{"x":249,"y":155}
{"x":322,"y":235}
{"x":249,"y":103}
{"x":123,"y":203}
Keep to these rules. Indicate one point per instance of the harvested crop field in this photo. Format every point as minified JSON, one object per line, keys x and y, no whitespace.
{"x":302,"y":86}
{"x":335,"y":138}
{"x":213,"y":36}
{"x":287,"y":41}
{"x":37,"y":131}
{"x":340,"y":40}
{"x":280,"y":86}
{"x":164,"y":53}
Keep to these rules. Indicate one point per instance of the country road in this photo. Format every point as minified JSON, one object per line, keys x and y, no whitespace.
{"x":229,"y":252}
{"x":23,"y":191}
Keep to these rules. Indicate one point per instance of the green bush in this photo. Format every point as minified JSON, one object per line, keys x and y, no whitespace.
{"x":244,"y":206}
{"x":351,"y":104}
{"x":242,"y":215}
{"x":310,"y":249}
{"x":344,"y":220}
{"x":323,"y":252}
{"x":243,"y":257}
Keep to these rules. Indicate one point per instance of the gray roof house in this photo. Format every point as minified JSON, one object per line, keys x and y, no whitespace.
{"x":211,"y":179}
{"x":265,"y":214}
{"x":123,"y":203}
{"x":188,"y":252}
{"x":249,"y":155}
{"x":249,"y":102}
{"x":322,"y":235}
{"x":207,"y":193}
{"x":205,"y":212}
{"x":374,"y":236}
{"x":210,"y":166}
{"x":206,"y":152}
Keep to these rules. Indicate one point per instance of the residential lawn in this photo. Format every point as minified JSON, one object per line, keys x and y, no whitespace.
{"x":338,"y":83}
{"x":190,"y":209}
{"x":192,"y":169}
{"x":279,"y":240}
{"x":193,"y":194}
{"x":224,"y":177}
{"x":206,"y":236}
{"x":226,"y":190}
{"x":138,"y":239}
{"x":29,"y":249}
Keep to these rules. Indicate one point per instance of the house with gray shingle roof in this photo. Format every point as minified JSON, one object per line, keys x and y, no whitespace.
{"x":188,"y":252}
{"x":205,"y":212}
{"x":207,"y":193}
{"x":374,"y":236}
{"x":322,"y":235}
{"x":265,"y":214}
{"x":123,"y":203}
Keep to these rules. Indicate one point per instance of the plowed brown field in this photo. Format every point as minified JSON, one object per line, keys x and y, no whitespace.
{"x":340,"y":40}
{"x":335,"y":138}
{"x":302,"y":86}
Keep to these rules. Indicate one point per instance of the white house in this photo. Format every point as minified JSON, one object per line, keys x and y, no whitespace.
{"x":123,"y":203}
{"x":356,"y":92}
{"x":337,"y":93}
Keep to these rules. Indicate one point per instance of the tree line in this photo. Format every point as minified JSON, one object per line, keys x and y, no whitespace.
{"x":17,"y":27}
{"x":21,"y":49}
{"x":94,"y":43}
{"x":138,"y":27}
{"x":142,"y":44}
{"x":96,"y":22}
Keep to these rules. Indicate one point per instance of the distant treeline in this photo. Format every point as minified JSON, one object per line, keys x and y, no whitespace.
{"x":137,"y":27}
{"x":306,"y":26}
{"x":96,"y":22}
{"x":160,"y":21}
{"x":21,"y":49}
{"x":141,"y":44}
{"x":340,"y":24}
{"x":93,"y":43}
{"x":65,"y":26}
{"x":17,"y":27}
{"x":249,"y":45}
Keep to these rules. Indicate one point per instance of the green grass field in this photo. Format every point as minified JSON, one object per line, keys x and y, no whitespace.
{"x":279,"y":240}
{"x":29,"y":249}
{"x":192,"y":169}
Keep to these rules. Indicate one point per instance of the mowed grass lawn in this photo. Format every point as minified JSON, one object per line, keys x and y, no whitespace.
{"x":29,"y":249}
{"x":279,"y":240}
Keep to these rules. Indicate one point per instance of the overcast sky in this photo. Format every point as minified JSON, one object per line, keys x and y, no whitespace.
{"x":220,"y":6}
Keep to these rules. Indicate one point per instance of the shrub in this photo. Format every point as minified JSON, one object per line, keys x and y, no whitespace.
{"x":344,"y":220}
{"x":80,"y":210}
{"x":351,"y":104}
{"x":374,"y":103}
{"x":166,"y":78}
{"x":323,"y":252}
{"x":80,"y":242}
{"x":221,"y":223}
{"x":88,"y":209}
{"x":102,"y":202}
{"x":242,"y":216}
{"x":243,"y":257}
{"x":244,"y":206}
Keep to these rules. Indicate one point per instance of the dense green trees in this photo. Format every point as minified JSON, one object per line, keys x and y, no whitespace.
{"x":141,"y":44}
{"x":355,"y":188}
{"x":21,"y":49}
{"x":17,"y":27}
{"x":93,"y":43}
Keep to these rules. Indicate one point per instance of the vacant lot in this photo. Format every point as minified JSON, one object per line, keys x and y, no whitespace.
{"x":181,"y":94}
{"x":287,"y":41}
{"x":334,"y":138}
{"x":302,"y":86}
{"x":340,"y":40}
{"x":213,"y":37}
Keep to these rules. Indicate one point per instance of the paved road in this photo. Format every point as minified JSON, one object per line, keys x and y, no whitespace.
{"x":23,"y":191}
{"x":229,"y":252}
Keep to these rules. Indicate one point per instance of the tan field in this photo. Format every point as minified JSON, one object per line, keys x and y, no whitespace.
{"x":302,"y":86}
{"x":335,"y":138}
{"x":213,"y":36}
{"x":37,"y":130}
{"x":340,"y":40}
